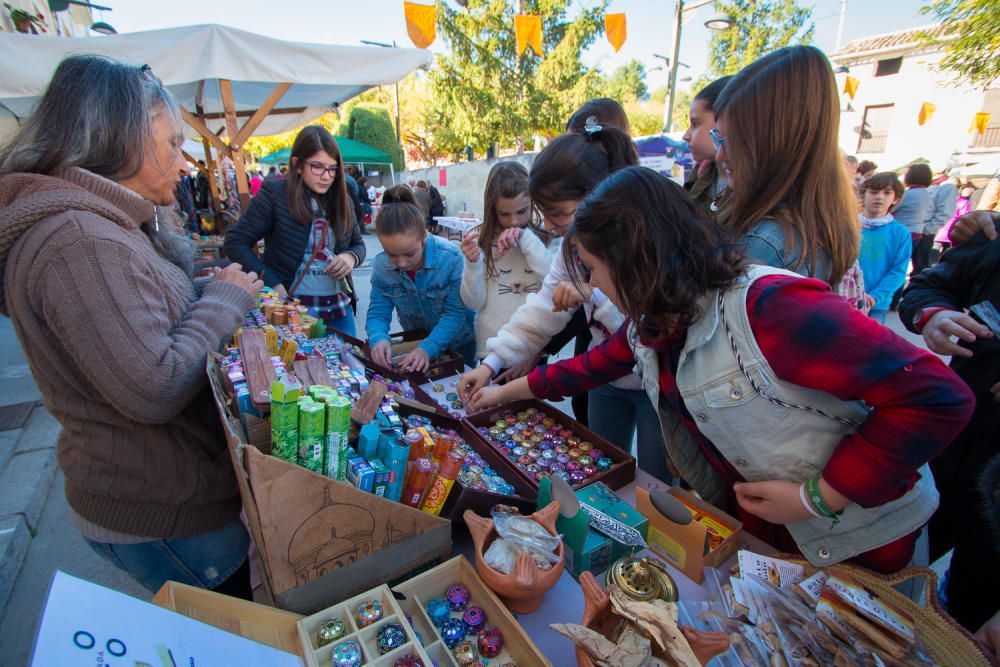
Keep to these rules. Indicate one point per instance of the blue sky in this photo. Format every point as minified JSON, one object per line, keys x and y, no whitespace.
{"x":348,"y":21}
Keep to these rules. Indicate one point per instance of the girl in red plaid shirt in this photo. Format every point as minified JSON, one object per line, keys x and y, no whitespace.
{"x":779,"y":401}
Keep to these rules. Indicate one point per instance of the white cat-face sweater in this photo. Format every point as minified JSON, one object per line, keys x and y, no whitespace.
{"x":534,"y":324}
{"x":520,"y":273}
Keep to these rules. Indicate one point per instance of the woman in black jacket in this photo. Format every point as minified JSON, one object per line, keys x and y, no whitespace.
{"x":311,"y":235}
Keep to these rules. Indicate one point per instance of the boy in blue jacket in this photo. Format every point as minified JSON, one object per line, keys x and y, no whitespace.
{"x":885,"y":243}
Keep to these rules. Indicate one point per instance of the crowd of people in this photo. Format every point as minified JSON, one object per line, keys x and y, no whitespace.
{"x":734,"y":325}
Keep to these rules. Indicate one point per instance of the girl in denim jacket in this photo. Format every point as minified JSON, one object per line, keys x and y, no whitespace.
{"x":419,"y":276}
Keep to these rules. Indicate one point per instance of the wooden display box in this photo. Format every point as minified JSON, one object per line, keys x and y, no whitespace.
{"x":321,"y":540}
{"x":618,"y":475}
{"x":447,"y":364}
{"x":258,"y":622}
{"x":409,"y":611}
{"x":684,"y":546}
{"x":462,"y":498}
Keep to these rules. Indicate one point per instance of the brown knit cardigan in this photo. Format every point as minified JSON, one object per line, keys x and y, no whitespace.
{"x":117,"y":343}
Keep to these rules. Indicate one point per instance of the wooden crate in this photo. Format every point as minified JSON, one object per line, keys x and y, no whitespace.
{"x":410,"y":613}
{"x":462,"y":498}
{"x":621,"y":472}
{"x":403,"y":342}
{"x":266,"y":625}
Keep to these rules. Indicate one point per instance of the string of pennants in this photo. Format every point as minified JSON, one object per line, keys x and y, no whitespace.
{"x":421,"y":26}
{"x":980,"y":121}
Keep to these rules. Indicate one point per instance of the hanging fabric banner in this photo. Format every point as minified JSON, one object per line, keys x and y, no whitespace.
{"x":980,"y":122}
{"x":926,"y":112}
{"x":614,"y":26}
{"x":528,"y":32}
{"x":851,"y":86}
{"x":420,"y":23}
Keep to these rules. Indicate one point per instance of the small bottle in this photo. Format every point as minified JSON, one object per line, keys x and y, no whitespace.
{"x":417,"y":481}
{"x":439,"y":489}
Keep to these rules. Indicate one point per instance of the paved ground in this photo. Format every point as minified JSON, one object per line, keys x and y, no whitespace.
{"x":36,"y":533}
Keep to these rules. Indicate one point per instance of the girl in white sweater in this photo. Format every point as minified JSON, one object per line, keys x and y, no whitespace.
{"x":504,"y":262}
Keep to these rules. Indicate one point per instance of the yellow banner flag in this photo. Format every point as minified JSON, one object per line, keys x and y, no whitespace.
{"x":614,"y":26}
{"x":421,"y":23}
{"x":851,"y":86}
{"x":926,"y":112}
{"x":980,"y":122}
{"x":528,"y":31}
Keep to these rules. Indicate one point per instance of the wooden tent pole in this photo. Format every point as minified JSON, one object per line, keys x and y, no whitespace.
{"x":236,"y":149}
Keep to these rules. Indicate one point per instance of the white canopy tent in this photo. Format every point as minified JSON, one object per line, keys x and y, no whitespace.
{"x":228,"y":82}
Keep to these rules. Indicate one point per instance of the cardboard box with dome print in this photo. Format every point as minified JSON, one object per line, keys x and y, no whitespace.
{"x":321,"y":541}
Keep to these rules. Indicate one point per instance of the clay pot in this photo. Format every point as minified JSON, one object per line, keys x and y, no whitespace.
{"x":523,"y":589}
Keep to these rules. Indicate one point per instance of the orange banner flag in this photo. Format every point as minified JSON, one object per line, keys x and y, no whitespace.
{"x":421,"y":23}
{"x":614,"y":26}
{"x":851,"y":86}
{"x":926,"y":112}
{"x":980,"y":122}
{"x":528,"y":32}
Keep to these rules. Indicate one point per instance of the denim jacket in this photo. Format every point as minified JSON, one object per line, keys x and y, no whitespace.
{"x":765,"y":244}
{"x":430,"y":302}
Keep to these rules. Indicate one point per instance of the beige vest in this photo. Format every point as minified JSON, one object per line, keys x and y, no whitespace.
{"x":765,"y":441}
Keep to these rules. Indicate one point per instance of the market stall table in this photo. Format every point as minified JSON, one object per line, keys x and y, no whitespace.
{"x":564,"y":602}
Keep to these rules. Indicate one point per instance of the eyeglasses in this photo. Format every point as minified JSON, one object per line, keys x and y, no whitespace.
{"x":717,"y":139}
{"x":318,"y":169}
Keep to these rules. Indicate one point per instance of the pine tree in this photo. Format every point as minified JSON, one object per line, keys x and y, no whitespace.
{"x":759,"y":27}
{"x":483,"y":92}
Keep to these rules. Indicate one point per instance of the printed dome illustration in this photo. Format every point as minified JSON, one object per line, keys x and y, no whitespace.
{"x":312,"y":556}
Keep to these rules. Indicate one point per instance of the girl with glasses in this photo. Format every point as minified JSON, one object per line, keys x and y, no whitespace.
{"x":311,"y":234}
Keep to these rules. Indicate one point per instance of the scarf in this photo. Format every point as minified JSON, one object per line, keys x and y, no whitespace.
{"x":875,"y":223}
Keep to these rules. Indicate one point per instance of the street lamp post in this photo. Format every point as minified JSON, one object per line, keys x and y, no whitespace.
{"x":720,"y":22}
{"x":399,"y":137}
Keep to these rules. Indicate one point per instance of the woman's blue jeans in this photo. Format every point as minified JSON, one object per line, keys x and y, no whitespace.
{"x":205,"y":560}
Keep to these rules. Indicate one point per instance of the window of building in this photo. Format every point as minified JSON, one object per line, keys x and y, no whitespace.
{"x":888,"y":66}
{"x":875,"y":129}
{"x":991,"y":137}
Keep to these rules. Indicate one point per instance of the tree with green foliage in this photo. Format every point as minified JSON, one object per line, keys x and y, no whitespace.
{"x":371,"y":124}
{"x":759,"y":27}
{"x":628,"y":83}
{"x":972,"y":45}
{"x":482,"y":91}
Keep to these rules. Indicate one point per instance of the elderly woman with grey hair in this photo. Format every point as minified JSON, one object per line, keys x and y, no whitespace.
{"x":113,"y":331}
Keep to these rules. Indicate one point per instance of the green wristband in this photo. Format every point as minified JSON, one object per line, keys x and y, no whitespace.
{"x":815,"y":497}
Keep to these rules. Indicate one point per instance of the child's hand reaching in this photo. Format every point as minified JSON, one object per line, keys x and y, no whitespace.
{"x":470,"y":247}
{"x":382,"y":353}
{"x":485,"y":398}
{"x":507,"y":240}
{"x":416,"y":361}
{"x":566,"y":296}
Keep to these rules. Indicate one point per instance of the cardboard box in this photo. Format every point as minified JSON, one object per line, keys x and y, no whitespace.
{"x":628,"y":515}
{"x":621,"y":472}
{"x":684,"y":547}
{"x":321,"y":540}
{"x":586,"y":549}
